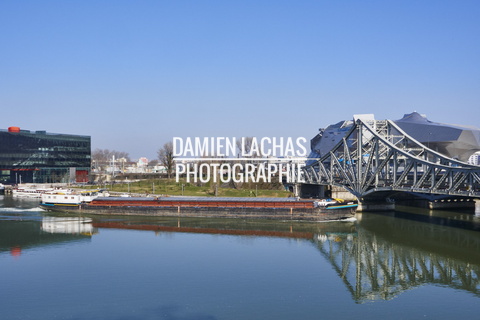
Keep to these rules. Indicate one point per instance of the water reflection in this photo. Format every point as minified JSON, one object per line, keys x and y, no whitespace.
{"x":70,"y":225}
{"x":260,"y":228}
{"x":377,"y":257}
{"x":30,"y":231}
{"x":391,"y":254}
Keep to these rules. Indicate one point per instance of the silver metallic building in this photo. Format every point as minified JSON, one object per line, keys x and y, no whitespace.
{"x":454,"y":141}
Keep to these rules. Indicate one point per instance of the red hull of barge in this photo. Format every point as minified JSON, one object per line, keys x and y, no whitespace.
{"x":303,"y":204}
{"x":213,"y":208}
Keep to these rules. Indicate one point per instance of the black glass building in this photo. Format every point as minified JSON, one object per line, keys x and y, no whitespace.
{"x":41,"y":157}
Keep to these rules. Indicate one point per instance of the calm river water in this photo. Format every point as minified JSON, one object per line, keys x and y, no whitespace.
{"x":410,"y":264}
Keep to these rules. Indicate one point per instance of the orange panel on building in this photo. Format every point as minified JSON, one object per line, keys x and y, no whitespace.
{"x":81,"y":176}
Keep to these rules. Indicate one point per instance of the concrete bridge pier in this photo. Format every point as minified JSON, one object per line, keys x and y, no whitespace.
{"x":322,"y":191}
{"x":376,"y":206}
{"x":382,"y":202}
{"x":440,"y":204}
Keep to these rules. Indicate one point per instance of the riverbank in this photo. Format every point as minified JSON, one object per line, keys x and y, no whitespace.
{"x":181,"y":188}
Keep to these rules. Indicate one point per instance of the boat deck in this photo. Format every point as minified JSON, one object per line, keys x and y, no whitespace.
{"x":224,"y":202}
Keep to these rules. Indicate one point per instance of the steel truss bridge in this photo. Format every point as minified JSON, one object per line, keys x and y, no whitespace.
{"x":378,"y":156}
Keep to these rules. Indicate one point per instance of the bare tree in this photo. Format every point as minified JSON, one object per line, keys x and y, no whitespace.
{"x":165,"y":155}
{"x":102,"y":157}
{"x":244,"y":145}
{"x":106,"y":155}
{"x":153,"y":163}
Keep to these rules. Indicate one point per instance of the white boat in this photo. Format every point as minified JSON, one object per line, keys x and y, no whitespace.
{"x":69,"y":198}
{"x":29,"y":192}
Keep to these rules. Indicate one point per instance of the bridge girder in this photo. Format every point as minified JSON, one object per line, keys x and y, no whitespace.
{"x":379,"y":156}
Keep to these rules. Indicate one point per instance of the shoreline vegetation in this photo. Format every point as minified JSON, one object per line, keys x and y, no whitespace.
{"x":169,"y":187}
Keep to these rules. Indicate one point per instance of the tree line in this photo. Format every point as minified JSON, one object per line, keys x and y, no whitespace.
{"x":165,"y":156}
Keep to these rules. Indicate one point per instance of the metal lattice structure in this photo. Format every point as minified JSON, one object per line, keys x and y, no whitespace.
{"x":373,"y":268}
{"x":379,"y":156}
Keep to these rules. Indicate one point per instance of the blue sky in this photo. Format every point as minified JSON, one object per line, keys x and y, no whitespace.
{"x":134,"y":74}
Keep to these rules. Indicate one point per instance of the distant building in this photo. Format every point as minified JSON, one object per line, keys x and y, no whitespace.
{"x":40,"y":157}
{"x":159,"y":169}
{"x":142,"y":162}
{"x":454,"y":141}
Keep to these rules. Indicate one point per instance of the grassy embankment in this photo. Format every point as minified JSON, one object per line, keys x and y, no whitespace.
{"x":171,"y":187}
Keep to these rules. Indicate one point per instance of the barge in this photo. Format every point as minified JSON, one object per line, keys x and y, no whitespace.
{"x":218,"y":207}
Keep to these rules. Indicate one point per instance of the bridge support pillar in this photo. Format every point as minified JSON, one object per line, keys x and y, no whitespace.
{"x":322,"y":191}
{"x":441,"y":204}
{"x":376,"y":206}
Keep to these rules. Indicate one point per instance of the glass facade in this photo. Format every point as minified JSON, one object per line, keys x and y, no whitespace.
{"x":41,"y":157}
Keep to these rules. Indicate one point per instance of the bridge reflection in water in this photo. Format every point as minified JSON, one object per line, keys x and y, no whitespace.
{"x":378,"y":256}
{"x":388,"y":255}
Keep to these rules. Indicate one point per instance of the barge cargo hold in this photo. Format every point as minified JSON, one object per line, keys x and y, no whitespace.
{"x":245,"y":208}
